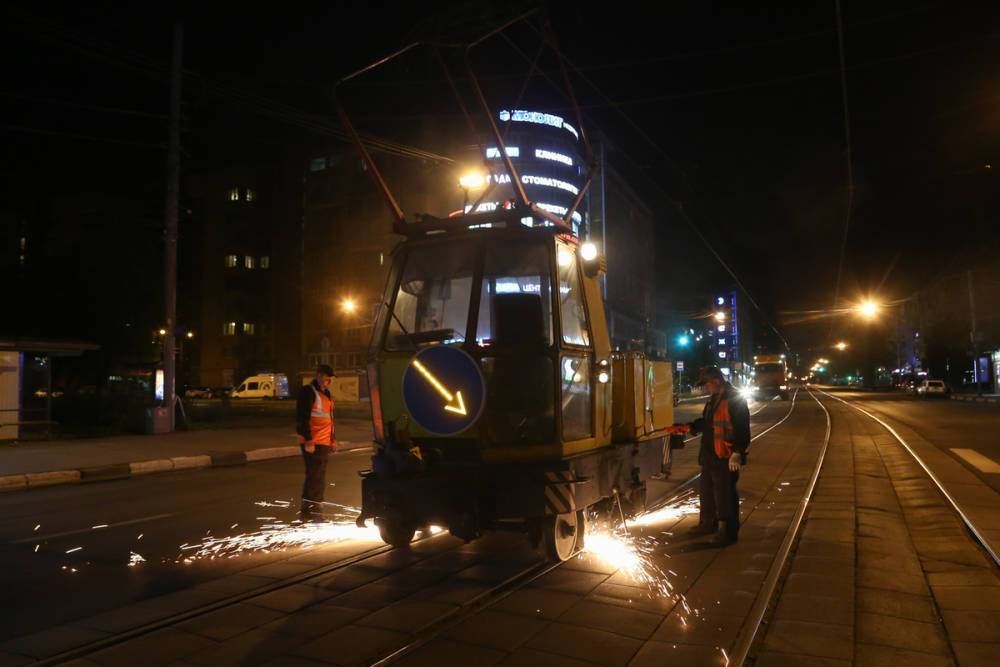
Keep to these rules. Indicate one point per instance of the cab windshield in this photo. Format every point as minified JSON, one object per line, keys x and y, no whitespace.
{"x":432,"y":302}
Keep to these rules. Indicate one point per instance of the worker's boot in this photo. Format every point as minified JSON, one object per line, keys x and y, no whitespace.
{"x":701,"y":529}
{"x":726,"y":534}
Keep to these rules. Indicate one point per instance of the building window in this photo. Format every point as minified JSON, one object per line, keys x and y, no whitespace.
{"x":265,"y":262}
{"x":231,"y":261}
{"x":248,"y":328}
{"x":722,"y":355}
{"x":234,"y":194}
{"x":248,"y":262}
{"x":229,"y":328}
{"x":317,"y":164}
{"x":250,"y":195}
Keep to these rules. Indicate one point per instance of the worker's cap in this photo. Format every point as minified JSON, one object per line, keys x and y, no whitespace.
{"x":324,"y":369}
{"x":707,"y":374}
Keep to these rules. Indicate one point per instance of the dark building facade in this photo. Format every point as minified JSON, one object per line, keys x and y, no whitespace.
{"x":242,"y":303}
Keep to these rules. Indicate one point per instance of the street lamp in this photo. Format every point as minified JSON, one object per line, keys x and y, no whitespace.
{"x":868,"y":309}
{"x":471,"y":180}
{"x":841,"y":346}
{"x":348,"y":305}
{"x":720,"y":316}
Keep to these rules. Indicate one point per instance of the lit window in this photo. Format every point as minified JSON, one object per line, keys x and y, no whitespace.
{"x":317,"y":164}
{"x":251,"y":195}
{"x":229,"y":328}
{"x":493,"y":152}
{"x":265,"y":262}
{"x":248,"y":328}
{"x":234,"y":194}
{"x":721,"y":328}
{"x":248,"y":262}
{"x":231,"y":261}
{"x":722,"y":354}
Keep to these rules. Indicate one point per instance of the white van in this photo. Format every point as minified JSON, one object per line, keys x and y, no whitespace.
{"x":270,"y":385}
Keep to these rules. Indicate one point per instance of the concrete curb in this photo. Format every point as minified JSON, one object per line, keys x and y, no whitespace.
{"x":113,"y":471}
{"x":975,"y":399}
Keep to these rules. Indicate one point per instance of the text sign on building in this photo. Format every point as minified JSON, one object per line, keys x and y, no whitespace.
{"x":680,"y":366}
{"x":444,"y":390}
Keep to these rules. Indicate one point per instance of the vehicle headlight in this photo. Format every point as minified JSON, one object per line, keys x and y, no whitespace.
{"x":783,"y":387}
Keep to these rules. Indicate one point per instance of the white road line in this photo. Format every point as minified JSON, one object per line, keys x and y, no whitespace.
{"x":68,"y":533}
{"x":982,"y":463}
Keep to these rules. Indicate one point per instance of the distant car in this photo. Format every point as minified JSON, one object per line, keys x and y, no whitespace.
{"x":268,"y":385}
{"x":198,"y":392}
{"x":222,"y":392}
{"x":932,"y":388}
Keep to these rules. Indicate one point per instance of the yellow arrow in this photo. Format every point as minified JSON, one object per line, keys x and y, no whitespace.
{"x":450,"y":407}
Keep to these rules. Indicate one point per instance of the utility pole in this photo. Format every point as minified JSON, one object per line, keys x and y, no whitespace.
{"x":973,"y":335}
{"x":171,"y":210}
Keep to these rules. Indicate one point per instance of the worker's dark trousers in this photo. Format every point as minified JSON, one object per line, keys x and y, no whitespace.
{"x":315,"y":484}
{"x":720,"y":501}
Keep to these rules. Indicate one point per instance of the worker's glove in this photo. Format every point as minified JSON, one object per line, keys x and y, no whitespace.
{"x":309,"y":446}
{"x":678,"y":429}
{"x":734,"y":462}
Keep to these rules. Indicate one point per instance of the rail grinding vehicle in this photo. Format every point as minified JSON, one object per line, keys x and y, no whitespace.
{"x":497,"y":401}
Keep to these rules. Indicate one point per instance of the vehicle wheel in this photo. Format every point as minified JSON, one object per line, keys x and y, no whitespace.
{"x":562,"y":535}
{"x":396,"y":532}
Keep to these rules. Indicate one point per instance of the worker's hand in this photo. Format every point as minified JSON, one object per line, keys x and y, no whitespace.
{"x":334,"y":447}
{"x":678,"y":429}
{"x":310,"y":446}
{"x":734,"y":462}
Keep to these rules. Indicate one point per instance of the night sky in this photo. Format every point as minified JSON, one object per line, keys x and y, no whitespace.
{"x":735,"y":116}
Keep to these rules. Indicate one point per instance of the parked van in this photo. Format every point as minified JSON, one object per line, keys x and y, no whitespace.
{"x":270,"y":385}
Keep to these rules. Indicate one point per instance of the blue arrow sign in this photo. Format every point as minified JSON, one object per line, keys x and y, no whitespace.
{"x":444,"y":390}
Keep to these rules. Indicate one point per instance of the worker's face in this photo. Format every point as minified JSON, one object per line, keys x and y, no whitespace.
{"x":323,"y":380}
{"x":714,"y":386}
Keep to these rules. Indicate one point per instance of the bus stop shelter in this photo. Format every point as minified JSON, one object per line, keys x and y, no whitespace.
{"x":26,"y":383}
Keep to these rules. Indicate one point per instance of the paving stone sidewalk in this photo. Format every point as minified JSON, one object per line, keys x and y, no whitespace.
{"x":885,"y":573}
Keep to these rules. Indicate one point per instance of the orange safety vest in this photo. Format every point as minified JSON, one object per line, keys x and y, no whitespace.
{"x":321,"y":419}
{"x":722,"y":430}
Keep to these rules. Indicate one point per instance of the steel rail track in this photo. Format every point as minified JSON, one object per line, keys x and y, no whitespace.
{"x":515,"y":582}
{"x":983,"y":542}
{"x":751,"y":627}
{"x":533,"y":572}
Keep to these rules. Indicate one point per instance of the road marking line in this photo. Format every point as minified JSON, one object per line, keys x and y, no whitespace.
{"x":982,"y":463}
{"x":68,"y":533}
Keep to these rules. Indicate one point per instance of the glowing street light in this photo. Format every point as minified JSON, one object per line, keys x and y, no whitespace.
{"x":683,"y":341}
{"x":841,"y":346}
{"x":190,"y":334}
{"x":163,"y":332}
{"x":720,"y":316}
{"x":472,"y":180}
{"x":868,"y":309}
{"x":348,"y":305}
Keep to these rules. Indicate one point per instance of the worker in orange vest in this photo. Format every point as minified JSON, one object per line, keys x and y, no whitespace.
{"x":315,"y":426}
{"x":725,"y":438}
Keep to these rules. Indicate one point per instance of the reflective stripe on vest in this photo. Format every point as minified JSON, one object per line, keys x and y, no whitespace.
{"x":321,"y":419}
{"x":722,"y":430}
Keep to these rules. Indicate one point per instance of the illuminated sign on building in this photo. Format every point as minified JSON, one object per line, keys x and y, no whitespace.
{"x":538,"y":117}
{"x":529,"y":179}
{"x":493,"y":152}
{"x":543,"y":154}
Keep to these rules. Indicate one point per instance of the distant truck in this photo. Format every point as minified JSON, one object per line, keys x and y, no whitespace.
{"x":269,"y":385}
{"x":770,"y":376}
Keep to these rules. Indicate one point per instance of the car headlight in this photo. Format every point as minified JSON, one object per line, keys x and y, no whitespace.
{"x":783,"y":387}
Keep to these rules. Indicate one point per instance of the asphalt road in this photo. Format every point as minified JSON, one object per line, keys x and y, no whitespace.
{"x":93,"y":529}
{"x":950,"y":425}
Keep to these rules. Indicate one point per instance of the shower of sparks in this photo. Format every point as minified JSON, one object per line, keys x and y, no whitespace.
{"x":686,"y":504}
{"x":285,"y":504}
{"x":134,"y":559}
{"x":277,"y":535}
{"x":628,"y":553}
{"x":37,"y":527}
{"x":140,"y":536}
{"x":101,"y":525}
{"x":36,"y":547}
{"x":74,"y":549}
{"x":725,"y":655}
